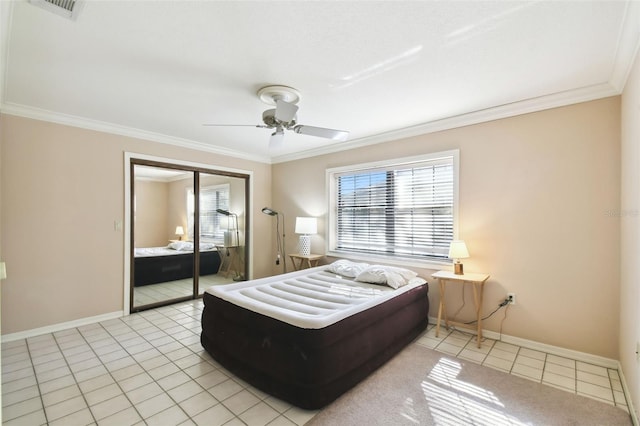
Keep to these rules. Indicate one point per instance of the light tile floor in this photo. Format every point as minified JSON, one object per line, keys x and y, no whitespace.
{"x":149,"y":368}
{"x":160,"y":292}
{"x":593,"y":381}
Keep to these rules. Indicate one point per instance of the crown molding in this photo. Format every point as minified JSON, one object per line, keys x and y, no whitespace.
{"x":101,"y":126}
{"x":527,"y":106}
{"x":628,"y":46}
{"x":555,"y":100}
{"x":6,"y":15}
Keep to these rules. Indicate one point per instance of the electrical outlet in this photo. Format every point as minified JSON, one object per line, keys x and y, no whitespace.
{"x":512,"y":298}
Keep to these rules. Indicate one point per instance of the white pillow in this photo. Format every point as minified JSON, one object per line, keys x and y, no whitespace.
{"x":347,"y":268}
{"x":181,"y":246}
{"x":392,"y":276}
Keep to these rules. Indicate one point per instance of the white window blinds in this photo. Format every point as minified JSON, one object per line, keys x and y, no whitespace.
{"x":211,"y":222}
{"x":212,"y":199}
{"x":404,"y":210}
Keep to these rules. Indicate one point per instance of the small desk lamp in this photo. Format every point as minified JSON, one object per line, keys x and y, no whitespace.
{"x":179,"y":232}
{"x":306,"y":226}
{"x":458,"y":250}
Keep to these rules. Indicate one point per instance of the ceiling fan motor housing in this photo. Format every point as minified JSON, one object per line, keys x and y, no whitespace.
{"x":270,"y":120}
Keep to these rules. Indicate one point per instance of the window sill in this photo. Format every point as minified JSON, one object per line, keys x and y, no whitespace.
{"x":431,"y":264}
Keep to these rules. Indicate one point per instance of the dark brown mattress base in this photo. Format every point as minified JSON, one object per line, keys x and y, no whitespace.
{"x":310,"y":368}
{"x":160,"y":269}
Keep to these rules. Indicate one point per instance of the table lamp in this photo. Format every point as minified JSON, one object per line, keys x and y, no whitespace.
{"x":458,"y":250}
{"x":306,"y":226}
{"x":179,"y":232}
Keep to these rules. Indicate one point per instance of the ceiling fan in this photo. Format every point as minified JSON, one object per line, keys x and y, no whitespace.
{"x":283,"y":117}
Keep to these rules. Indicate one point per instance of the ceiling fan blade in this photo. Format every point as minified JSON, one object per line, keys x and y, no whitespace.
{"x":285,"y":111}
{"x":277,"y":139}
{"x":234,"y":125}
{"x":338,"y":135}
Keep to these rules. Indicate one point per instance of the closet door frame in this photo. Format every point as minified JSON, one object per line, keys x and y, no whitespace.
{"x":133,"y":159}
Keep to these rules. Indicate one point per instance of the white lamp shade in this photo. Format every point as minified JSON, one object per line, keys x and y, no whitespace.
{"x":458,"y":250}
{"x":179,"y":230}
{"x":3,"y":271}
{"x":306,"y":225}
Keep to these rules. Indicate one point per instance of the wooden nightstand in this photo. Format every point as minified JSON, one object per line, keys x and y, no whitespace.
{"x":305,"y":261}
{"x":477,"y":280}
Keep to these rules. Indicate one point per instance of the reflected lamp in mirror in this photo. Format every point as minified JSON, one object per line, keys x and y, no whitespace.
{"x":458,"y":250}
{"x":269,"y":211}
{"x":179,"y":232}
{"x":3,"y":271}
{"x":229,"y":241}
{"x":306,"y":226}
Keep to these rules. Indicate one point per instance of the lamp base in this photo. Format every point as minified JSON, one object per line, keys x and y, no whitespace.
{"x":305,"y":245}
{"x":458,"y":269}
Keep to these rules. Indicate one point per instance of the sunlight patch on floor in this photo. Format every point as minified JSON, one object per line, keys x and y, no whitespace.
{"x":453,"y":401}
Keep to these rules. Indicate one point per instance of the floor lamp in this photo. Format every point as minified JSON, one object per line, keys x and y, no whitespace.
{"x":279,"y":242}
{"x":234,"y":244}
{"x":235,"y":217}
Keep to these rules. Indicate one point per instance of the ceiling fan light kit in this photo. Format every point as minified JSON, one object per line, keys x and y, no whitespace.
{"x":283,"y":116}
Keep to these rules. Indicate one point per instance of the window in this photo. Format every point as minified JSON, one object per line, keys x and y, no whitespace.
{"x":404,"y":208}
{"x":211,"y":222}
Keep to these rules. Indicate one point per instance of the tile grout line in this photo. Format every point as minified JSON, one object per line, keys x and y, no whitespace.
{"x":139,"y":365}
{"x":35,"y":375}
{"x":84,"y":398}
{"x":514,"y":360}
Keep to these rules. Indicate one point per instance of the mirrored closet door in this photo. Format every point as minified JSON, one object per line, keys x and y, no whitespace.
{"x":187,"y":232}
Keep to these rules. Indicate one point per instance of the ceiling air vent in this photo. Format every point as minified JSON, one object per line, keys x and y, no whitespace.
{"x":67,"y":8}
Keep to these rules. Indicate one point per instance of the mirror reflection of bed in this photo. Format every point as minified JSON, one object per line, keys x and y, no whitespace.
{"x":164,"y":225}
{"x":166,"y":272}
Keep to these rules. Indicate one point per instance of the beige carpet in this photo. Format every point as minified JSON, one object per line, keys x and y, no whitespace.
{"x":424,"y":387}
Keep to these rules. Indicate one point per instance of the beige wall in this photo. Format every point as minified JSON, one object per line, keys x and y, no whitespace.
{"x":177,"y":208}
{"x":535,"y":195}
{"x":62,"y":190}
{"x":152,"y":204}
{"x":630,"y":235}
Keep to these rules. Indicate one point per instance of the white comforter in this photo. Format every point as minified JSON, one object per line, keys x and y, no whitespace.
{"x":312,"y":298}
{"x":164,"y":251}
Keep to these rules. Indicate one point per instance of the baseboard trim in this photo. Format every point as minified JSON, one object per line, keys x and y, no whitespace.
{"x":550,"y":349}
{"x":59,"y":327}
{"x":627,"y":393}
{"x":555,"y":350}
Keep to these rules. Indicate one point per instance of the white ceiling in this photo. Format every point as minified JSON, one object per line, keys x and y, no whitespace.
{"x":159,"y":70}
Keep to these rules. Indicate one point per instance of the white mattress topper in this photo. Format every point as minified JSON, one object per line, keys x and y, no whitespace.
{"x":312,"y":298}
